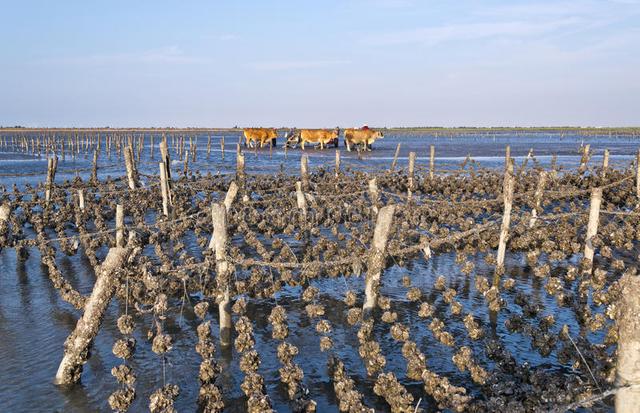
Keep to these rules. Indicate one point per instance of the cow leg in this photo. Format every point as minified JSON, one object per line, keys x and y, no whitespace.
{"x":346,"y":142}
{"x":302,"y":145}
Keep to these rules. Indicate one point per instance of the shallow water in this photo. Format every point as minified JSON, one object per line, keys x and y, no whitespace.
{"x":34,"y":321}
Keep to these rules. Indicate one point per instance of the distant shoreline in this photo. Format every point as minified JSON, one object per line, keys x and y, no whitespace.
{"x":426,"y":129}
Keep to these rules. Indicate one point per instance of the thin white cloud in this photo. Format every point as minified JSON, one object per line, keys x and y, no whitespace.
{"x":280,"y":65}
{"x":467,"y":31}
{"x":222,"y":36}
{"x":167,"y":55}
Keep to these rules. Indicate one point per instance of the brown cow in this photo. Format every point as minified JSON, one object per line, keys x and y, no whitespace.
{"x":261,"y":135}
{"x":361,"y":136}
{"x":321,"y":136}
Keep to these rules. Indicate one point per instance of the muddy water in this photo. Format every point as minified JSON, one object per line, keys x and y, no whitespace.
{"x":34,"y":321}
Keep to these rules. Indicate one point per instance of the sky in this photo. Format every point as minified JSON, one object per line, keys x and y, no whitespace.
{"x":319,"y":63}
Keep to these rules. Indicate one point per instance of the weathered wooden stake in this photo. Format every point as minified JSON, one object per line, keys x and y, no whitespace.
{"x":222,"y":147}
{"x":432,"y":161}
{"x":231,"y":195}
{"x":94,"y":169}
{"x":395,"y":158}
{"x":507,"y":194}
{"x":377,"y":257}
{"x":412,"y":166}
{"x":592,"y":226}
{"x":584,"y":159}
{"x":302,"y":202}
{"x":240,"y":165}
{"x":542,"y":180}
{"x":507,"y":157}
{"x":119,"y":226}
{"x":79,"y":342}
{"x":638,"y":176}
{"x":605,"y":162}
{"x":304,"y":171}
{"x":374,"y":195}
{"x":628,"y":353}
{"x":164,"y":188}
{"x":223,"y":270}
{"x":129,"y":162}
{"x":81,"y":199}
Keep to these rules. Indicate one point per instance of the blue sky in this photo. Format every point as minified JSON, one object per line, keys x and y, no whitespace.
{"x":320,"y":63}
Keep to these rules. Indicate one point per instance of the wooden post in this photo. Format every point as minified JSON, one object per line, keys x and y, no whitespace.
{"x":119,"y":226}
{"x":222,"y":147}
{"x":432,"y":161}
{"x":507,"y":194}
{"x":377,"y":255}
{"x":337,"y":163}
{"x":542,"y":180}
{"x":412,"y":166}
{"x":584,"y":159}
{"x":131,"y":173}
{"x":223,"y":270}
{"x":94,"y":170}
{"x":5,"y":214}
{"x":374,"y":195}
{"x":81,"y":199}
{"x":592,"y":226}
{"x":395,"y":158}
{"x":240,"y":165}
{"x":52,"y":166}
{"x":628,"y":354}
{"x":638,"y":176}
{"x":605,"y":162}
{"x":164,"y":188}
{"x":208,"y":147}
{"x":304,"y":171}
{"x":507,"y":157}
{"x":302,"y":202}
{"x":79,"y":342}
{"x":231,"y":195}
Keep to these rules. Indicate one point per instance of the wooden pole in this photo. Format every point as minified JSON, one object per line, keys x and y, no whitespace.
{"x":302,"y":202}
{"x":377,"y":256}
{"x":81,"y":199}
{"x":628,"y":353}
{"x":395,"y":158}
{"x":605,"y":162}
{"x":222,"y":147}
{"x":231,"y":195}
{"x":584,"y":159}
{"x":223,"y":270}
{"x":507,"y":194}
{"x":94,"y":170}
{"x":374,"y":195}
{"x":412,"y":166}
{"x":592,"y":226}
{"x":507,"y":157}
{"x":240,"y":165}
{"x":78,"y":344}
{"x":638,"y":176}
{"x":542,"y":180}
{"x":119,"y":226}
{"x":432,"y":161}
{"x":164,"y":188}
{"x":128,"y":161}
{"x":304,"y":171}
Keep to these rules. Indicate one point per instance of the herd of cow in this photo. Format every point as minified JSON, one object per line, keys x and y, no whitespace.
{"x":361,"y":139}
